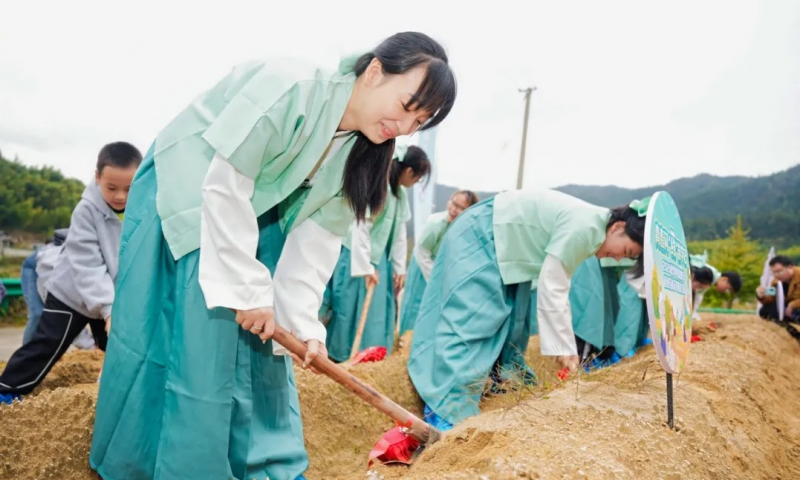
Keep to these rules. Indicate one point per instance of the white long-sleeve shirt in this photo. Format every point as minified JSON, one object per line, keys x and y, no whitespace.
{"x":425,"y":261}
{"x":361,"y":250}
{"x":556,"y":335}
{"x":400,"y":250}
{"x":698,"y":301}
{"x":230,"y":275}
{"x":637,"y":284}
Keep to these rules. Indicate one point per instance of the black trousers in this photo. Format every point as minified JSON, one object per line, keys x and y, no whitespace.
{"x":769,"y":311}
{"x":57,"y":329}
{"x":586,"y":350}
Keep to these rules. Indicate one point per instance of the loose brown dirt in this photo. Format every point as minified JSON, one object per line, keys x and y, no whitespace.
{"x":737,"y":415}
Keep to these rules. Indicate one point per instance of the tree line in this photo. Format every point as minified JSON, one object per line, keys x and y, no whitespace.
{"x":35,"y":199}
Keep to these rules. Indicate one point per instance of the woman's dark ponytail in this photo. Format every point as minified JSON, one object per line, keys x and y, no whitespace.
{"x":417,"y":160}
{"x":366,"y":175}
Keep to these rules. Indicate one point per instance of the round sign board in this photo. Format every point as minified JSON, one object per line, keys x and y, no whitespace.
{"x":668,"y":281}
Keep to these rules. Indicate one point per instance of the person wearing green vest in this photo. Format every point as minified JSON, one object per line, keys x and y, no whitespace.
{"x":704,"y":276}
{"x":374,"y":254}
{"x":495,"y":254}
{"x":425,"y":250}
{"x":235,"y":222}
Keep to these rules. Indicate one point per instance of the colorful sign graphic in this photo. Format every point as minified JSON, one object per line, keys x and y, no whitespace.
{"x":669,"y":283}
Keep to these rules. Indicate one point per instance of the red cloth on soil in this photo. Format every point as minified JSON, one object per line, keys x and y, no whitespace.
{"x":394,"y":447}
{"x":371,"y":354}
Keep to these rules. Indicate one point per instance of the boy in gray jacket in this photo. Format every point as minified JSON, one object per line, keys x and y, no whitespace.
{"x":80,"y":288}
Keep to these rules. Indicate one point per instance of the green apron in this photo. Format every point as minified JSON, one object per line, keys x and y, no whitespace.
{"x":186,"y":393}
{"x":469,"y":323}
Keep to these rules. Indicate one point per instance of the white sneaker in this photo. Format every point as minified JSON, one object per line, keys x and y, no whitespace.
{"x":84,"y":341}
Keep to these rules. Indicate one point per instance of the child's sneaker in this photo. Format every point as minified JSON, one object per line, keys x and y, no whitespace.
{"x":84,"y":341}
{"x":9,"y":398}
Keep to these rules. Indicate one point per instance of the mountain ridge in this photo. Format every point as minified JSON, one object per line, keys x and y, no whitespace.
{"x":709,"y":204}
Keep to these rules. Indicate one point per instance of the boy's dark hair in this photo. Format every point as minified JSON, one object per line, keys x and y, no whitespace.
{"x":782,"y":259}
{"x":703,"y":275}
{"x":734,"y":279}
{"x":118,"y":154}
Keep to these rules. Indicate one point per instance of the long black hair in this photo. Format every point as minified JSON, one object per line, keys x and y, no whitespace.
{"x":417,"y":160}
{"x":634,"y":229}
{"x":367,"y":168}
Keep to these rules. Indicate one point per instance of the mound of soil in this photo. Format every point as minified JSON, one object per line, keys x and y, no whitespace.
{"x":737,"y":416}
{"x":48,"y":436}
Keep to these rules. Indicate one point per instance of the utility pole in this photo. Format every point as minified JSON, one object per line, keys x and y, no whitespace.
{"x":527,"y":91}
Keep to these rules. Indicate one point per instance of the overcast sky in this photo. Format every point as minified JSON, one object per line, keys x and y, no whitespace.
{"x":629,"y":93}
